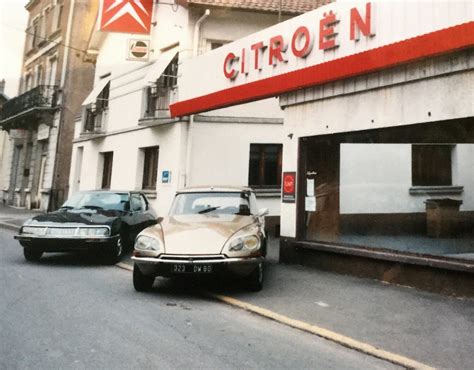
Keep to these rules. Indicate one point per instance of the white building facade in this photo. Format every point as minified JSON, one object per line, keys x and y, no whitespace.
{"x":126,"y":138}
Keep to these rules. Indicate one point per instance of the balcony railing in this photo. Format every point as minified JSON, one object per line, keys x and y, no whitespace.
{"x":42,"y":97}
{"x":95,"y":121}
{"x":158,"y":102}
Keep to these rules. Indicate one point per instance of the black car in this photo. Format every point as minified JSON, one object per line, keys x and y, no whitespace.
{"x":98,"y":221}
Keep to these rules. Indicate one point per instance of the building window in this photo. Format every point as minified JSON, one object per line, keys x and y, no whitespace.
{"x":108,"y":158}
{"x":215,"y":44}
{"x":102,"y":101}
{"x":53,"y":65}
{"x":265,"y":165}
{"x":35,"y":33}
{"x":169,"y":78}
{"x":431,"y":165}
{"x":150,"y":168}
{"x":39,"y":75}
{"x":27,"y":85}
{"x":58,"y":11}
{"x":95,"y":118}
{"x":158,"y":97}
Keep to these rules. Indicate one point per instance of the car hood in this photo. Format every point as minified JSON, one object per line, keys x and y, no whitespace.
{"x":200,"y":234}
{"x":75,"y":217}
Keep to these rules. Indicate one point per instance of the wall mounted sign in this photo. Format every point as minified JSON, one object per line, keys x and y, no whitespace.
{"x":165,"y":177}
{"x":339,"y":40}
{"x":138,"y":50}
{"x":289,"y":187}
{"x":126,"y":16}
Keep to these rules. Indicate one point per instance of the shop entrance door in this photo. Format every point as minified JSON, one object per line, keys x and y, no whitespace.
{"x":320,"y":185}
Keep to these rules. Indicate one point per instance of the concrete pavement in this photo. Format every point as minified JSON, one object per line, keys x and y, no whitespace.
{"x":12,"y":218}
{"x":433,"y":329}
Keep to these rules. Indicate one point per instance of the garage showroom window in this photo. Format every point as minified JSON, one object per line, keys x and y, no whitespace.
{"x":150,"y":169}
{"x":431,"y":165}
{"x":265,"y":166}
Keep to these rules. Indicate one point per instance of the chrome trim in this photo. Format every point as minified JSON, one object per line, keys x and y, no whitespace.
{"x":197,"y":261}
{"x":66,"y":236}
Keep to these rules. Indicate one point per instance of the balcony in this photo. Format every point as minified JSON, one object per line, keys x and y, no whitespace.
{"x":95,"y":122}
{"x":158,"y":102}
{"x":29,"y":108}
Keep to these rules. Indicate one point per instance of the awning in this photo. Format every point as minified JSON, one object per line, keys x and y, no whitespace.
{"x":91,"y":98}
{"x":157,"y":68}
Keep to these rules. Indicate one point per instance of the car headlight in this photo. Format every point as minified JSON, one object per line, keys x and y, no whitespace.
{"x":93,"y":231}
{"x":33,"y":230}
{"x":244,"y":242}
{"x":146,"y":243}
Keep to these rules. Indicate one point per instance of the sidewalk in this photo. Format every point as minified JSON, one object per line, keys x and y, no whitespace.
{"x":433,"y":329}
{"x":12,"y":218}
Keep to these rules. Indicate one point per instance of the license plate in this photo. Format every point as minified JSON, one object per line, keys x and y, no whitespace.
{"x":191,"y":269}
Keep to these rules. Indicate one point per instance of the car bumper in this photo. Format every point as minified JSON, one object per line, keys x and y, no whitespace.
{"x":152,"y":266}
{"x":59,"y":244}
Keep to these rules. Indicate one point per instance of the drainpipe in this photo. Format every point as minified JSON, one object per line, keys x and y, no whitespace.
{"x":61,"y":101}
{"x":197,"y":28}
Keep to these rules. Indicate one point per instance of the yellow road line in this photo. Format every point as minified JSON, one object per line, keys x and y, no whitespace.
{"x":326,"y":334}
{"x":316,"y":330}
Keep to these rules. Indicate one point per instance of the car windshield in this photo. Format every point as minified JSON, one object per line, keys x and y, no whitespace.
{"x":98,"y":200}
{"x":235,"y":203}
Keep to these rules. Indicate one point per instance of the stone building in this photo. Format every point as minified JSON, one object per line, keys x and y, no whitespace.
{"x":40,"y":121}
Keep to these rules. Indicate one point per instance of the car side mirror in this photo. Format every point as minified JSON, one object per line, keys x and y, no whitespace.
{"x":262,"y":212}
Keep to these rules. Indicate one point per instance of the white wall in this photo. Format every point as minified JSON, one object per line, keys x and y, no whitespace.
{"x":221,"y":152}
{"x":127,"y":168}
{"x":376,"y":178}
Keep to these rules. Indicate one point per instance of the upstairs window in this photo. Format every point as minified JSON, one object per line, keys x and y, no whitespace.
{"x":169,"y":78}
{"x":431,"y":165}
{"x":57,"y":15}
{"x":265,"y":166}
{"x":158,"y":96}
{"x":102,"y":101}
{"x":35,"y":33}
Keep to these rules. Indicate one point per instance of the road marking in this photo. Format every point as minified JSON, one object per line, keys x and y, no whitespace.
{"x":322,"y":304}
{"x":316,"y":330}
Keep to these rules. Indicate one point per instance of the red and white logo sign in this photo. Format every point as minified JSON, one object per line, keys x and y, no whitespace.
{"x":289,"y":183}
{"x":127,"y":16}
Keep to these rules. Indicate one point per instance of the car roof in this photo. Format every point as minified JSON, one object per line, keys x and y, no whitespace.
{"x":214,"y":188}
{"x":109,"y":191}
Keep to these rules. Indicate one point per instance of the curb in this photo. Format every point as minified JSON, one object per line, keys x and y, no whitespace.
{"x":340,"y":339}
{"x":8,"y":226}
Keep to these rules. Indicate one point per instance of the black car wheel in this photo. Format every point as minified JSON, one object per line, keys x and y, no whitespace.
{"x":31,"y":254}
{"x":141,"y":282}
{"x":113,"y":255}
{"x":255,"y":280}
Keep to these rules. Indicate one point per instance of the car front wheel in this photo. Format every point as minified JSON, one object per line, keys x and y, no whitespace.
{"x":255,"y":280}
{"x":141,"y":282}
{"x":31,"y":254}
{"x":113,"y":255}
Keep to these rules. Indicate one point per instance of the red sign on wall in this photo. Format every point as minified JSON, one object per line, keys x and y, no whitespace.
{"x":127,"y":16}
{"x":289,"y":187}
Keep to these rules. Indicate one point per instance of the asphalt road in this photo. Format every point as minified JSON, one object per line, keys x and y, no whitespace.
{"x":71,"y":312}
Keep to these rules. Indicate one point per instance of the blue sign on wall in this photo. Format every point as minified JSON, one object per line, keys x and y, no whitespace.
{"x":165,"y":177}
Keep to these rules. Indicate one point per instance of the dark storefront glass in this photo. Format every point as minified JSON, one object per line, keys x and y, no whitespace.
{"x":401,"y":189}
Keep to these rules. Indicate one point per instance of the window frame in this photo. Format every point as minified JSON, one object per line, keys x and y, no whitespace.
{"x":108,"y":163}
{"x":150,"y":167}
{"x":423,"y":173}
